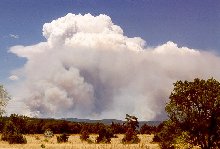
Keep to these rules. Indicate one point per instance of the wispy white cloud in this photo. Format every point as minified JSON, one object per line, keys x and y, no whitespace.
{"x":13,"y":77}
{"x":14,"y":36}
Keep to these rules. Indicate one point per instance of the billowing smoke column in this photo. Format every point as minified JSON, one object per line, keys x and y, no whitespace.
{"x":87,"y":68}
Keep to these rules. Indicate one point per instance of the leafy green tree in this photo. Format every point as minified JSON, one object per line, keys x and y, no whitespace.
{"x":4,"y":98}
{"x":194,"y":107}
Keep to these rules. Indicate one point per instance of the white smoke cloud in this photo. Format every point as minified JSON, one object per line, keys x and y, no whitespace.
{"x":88,"y":68}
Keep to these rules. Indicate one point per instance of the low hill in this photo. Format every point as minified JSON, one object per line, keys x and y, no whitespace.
{"x":109,"y":121}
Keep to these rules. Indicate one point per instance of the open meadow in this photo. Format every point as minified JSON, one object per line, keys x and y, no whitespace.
{"x":74,"y":142}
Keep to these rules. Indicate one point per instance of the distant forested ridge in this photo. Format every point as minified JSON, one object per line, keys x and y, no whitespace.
{"x":109,"y":121}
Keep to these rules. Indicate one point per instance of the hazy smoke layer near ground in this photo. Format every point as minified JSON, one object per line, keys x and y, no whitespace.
{"x":88,"y":68}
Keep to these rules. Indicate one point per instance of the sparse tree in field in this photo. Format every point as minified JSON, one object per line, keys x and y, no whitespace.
{"x":194,"y":108}
{"x":4,"y":98}
{"x":131,"y":134}
{"x":132,"y":122}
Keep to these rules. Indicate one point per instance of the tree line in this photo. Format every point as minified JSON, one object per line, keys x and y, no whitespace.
{"x":28,"y":125}
{"x":14,"y":127}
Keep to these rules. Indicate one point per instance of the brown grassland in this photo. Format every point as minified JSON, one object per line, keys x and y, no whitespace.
{"x":38,"y":141}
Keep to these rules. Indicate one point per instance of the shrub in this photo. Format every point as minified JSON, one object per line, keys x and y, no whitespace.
{"x":48,"y":133}
{"x":105,"y":136}
{"x":156,"y":138}
{"x":42,"y":146}
{"x":8,"y":130}
{"x":12,"y":134}
{"x":62,"y":138}
{"x":37,"y":137}
{"x":167,"y":134}
{"x":118,"y":128}
{"x":130,"y":137}
{"x":84,"y":135}
{"x":146,"y":129}
{"x":183,"y":141}
{"x":17,"y":139}
{"x":89,"y":141}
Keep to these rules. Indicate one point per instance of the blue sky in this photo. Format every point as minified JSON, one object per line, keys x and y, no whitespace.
{"x":195,"y":24}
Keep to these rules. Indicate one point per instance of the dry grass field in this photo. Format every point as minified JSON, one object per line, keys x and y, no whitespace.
{"x":74,"y":142}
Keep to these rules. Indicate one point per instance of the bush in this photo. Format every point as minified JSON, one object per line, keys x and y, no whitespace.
{"x":48,"y":133}
{"x":84,"y":135}
{"x":146,"y":129}
{"x":62,"y":138}
{"x":12,"y":134}
{"x":130,"y":137}
{"x":42,"y":146}
{"x":183,"y":141}
{"x":156,"y":138}
{"x":118,"y":128}
{"x":37,"y":137}
{"x":105,"y":136}
{"x":167,"y":134}
{"x":17,"y":139}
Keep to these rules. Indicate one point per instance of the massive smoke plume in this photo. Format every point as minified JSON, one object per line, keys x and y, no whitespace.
{"x":87,"y":68}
